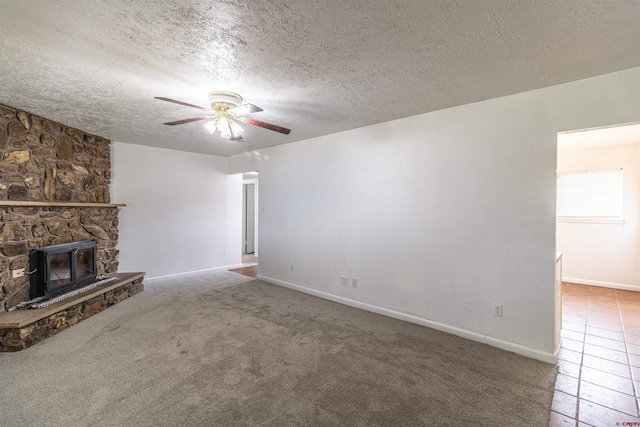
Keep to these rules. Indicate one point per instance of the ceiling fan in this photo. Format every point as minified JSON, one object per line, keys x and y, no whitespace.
{"x":226,"y":109}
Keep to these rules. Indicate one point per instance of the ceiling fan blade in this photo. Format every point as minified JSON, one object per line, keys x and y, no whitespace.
{"x":243,"y":109}
{"x":181,"y":122}
{"x":182,"y":103}
{"x":264,"y":125}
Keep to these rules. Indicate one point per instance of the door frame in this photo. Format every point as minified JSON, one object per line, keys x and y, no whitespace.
{"x":245,"y":182}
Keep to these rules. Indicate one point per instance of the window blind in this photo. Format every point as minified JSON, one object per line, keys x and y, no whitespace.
{"x":591,"y":194}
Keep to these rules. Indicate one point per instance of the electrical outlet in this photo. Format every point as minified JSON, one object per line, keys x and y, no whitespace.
{"x":497,"y":310}
{"x":291,"y":267}
{"x":18,"y":273}
{"x":354,"y":283}
{"x":344,"y":280}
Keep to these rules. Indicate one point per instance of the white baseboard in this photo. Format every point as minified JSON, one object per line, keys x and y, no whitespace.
{"x":495,"y":342}
{"x":186,"y":273}
{"x":620,"y":286}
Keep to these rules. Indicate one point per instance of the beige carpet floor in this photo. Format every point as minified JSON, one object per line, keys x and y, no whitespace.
{"x":221,"y":349}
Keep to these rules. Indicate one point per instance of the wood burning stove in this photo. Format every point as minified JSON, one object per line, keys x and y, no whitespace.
{"x":60,"y":268}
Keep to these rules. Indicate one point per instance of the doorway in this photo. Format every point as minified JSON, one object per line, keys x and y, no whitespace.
{"x":250,"y":218}
{"x":597,"y":222}
{"x":598,"y":233}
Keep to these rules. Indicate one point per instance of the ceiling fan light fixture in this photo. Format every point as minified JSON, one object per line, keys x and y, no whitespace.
{"x":223,"y":126}
{"x":210,"y":126}
{"x":229,"y":129}
{"x":235,"y":128}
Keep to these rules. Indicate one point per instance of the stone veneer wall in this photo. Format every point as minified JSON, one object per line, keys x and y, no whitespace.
{"x":41,"y":160}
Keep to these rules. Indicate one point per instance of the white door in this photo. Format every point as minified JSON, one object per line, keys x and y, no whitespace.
{"x":250,"y":218}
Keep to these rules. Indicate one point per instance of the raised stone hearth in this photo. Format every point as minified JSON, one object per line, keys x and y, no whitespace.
{"x":21,"y":329}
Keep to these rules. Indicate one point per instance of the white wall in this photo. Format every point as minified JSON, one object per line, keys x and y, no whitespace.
{"x":438,"y":216}
{"x":597,"y":253}
{"x":183,"y":212}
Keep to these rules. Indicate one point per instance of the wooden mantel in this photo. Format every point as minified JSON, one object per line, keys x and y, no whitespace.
{"x":60,"y":204}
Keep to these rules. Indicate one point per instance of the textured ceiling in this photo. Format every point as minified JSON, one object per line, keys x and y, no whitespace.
{"x":317,"y":67}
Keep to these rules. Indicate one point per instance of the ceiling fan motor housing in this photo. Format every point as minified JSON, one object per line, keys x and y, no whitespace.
{"x":222,"y":101}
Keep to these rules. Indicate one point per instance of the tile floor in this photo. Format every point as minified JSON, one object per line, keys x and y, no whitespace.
{"x":598,"y":381}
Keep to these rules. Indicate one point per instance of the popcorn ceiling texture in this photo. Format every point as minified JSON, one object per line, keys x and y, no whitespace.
{"x":41,"y":160}
{"x":317,"y":67}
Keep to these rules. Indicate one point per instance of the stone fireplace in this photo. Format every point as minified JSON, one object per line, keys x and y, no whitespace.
{"x":54,"y":195}
{"x":54,"y":189}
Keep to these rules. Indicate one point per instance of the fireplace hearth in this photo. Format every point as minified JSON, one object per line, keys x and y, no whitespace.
{"x":20,"y":329}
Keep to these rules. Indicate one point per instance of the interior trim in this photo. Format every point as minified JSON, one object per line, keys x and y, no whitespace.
{"x":621,"y":286}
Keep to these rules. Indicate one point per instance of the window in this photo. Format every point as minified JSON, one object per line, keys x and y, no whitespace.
{"x":590,"y":196}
